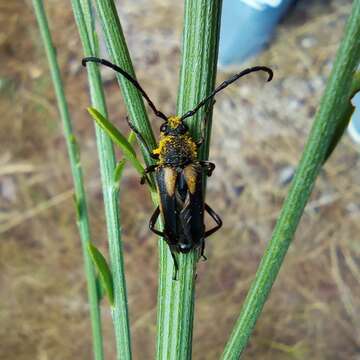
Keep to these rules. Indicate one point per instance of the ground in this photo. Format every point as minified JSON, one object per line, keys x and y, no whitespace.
{"x":259,"y":131}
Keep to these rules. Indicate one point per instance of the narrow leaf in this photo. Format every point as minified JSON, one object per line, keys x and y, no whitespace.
{"x":99,"y":289}
{"x":103,"y":269}
{"x":119,"y":170}
{"x":118,"y":138}
{"x":121,"y":164}
{"x":132,"y":137}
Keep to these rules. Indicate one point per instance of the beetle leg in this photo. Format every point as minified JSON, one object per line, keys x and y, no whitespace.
{"x":141,"y":138}
{"x":209,"y":166}
{"x":204,"y":258}
{"x":152,"y":223}
{"x":176,"y":265}
{"x":216,"y":218}
{"x":149,"y":169}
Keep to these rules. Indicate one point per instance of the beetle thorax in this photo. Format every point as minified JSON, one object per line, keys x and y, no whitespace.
{"x":176,"y":150}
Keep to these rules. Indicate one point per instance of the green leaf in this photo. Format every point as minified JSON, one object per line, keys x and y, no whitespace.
{"x":119,"y":170}
{"x":103,"y":269}
{"x":99,"y":289}
{"x":118,"y":138}
{"x":131,"y":137}
{"x":121,"y":164}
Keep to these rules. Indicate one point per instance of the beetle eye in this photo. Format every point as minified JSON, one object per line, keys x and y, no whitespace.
{"x":183,"y":129}
{"x":163,"y":127}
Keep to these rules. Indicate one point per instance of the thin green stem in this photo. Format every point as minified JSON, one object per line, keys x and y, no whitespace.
{"x":202,"y":19}
{"x":83,"y":220}
{"x":197,"y":79}
{"x":85,"y":22}
{"x":334,"y":105}
{"x":201,"y":31}
{"x":119,"y":54}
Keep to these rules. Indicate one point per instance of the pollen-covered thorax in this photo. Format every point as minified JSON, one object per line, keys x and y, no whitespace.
{"x":176,"y":146}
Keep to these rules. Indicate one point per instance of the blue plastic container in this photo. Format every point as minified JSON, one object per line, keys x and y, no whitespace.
{"x":354,"y":126}
{"x":246,"y":27}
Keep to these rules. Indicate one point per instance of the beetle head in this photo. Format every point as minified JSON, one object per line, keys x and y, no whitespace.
{"x":174,"y":126}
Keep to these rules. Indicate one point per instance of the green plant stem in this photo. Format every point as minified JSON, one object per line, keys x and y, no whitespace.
{"x":83,"y":220}
{"x":175,"y":299}
{"x":119,"y":54}
{"x":201,"y":31}
{"x":334,"y":105}
{"x":197,"y":79}
{"x":85,"y":23}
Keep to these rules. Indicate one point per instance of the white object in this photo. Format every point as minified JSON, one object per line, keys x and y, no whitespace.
{"x":262,"y":4}
{"x":354,"y":126}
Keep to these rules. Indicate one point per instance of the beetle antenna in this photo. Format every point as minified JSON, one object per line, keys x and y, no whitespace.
{"x":129,"y":78}
{"x":226,"y":83}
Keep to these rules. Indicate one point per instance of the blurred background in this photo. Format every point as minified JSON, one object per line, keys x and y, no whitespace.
{"x":259,"y":131}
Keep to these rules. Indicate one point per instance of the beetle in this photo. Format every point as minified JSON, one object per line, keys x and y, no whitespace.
{"x":179,"y":174}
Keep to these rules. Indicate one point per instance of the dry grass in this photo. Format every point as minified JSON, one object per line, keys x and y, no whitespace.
{"x":258,"y":136}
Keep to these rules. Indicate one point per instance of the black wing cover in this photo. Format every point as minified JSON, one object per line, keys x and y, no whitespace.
{"x":182,"y":205}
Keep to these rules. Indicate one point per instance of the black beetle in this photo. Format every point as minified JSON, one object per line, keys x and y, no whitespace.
{"x":179,"y":174}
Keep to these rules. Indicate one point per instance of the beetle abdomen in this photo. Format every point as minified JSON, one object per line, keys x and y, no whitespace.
{"x":182,"y":206}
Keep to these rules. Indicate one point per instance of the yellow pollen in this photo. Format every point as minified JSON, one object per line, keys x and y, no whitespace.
{"x":185,"y":142}
{"x":174,"y":121}
{"x":164,"y":141}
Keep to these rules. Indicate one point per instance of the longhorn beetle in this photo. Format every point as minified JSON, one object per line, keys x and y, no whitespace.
{"x":179,"y":174}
